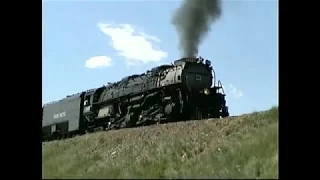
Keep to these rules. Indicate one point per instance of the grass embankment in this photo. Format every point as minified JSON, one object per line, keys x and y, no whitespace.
{"x":242,"y":147}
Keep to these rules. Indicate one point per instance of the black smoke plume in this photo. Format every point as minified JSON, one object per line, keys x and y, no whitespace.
{"x":192,"y":21}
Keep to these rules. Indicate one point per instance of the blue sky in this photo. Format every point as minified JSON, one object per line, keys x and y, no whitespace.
{"x":89,"y":43}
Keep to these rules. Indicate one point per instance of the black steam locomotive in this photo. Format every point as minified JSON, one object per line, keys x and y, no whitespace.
{"x":184,"y":90}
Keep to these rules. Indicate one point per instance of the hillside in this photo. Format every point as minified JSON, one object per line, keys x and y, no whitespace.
{"x":241,"y":147}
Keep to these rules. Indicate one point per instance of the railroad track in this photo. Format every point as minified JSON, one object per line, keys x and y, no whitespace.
{"x":229,"y":117}
{"x":232,"y":116}
{"x":101,"y":129}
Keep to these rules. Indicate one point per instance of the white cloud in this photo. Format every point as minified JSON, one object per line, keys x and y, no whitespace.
{"x":98,"y":62}
{"x":133,"y":45}
{"x":236,"y":93}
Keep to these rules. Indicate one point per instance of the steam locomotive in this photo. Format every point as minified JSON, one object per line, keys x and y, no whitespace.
{"x":184,"y":90}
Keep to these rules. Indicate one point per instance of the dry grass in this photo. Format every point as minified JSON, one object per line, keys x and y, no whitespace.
{"x":243,"y":147}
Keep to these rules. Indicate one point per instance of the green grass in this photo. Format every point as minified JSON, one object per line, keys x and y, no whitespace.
{"x":242,"y":147}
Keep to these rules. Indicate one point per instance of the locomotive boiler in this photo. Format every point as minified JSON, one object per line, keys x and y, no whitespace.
{"x":184,"y":90}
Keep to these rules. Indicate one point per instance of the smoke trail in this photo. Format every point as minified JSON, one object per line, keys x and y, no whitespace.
{"x":192,"y":21}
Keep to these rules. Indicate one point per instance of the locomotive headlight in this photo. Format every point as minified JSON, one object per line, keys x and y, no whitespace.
{"x":206,"y":91}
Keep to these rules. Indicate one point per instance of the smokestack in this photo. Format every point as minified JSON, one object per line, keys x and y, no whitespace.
{"x":192,"y":21}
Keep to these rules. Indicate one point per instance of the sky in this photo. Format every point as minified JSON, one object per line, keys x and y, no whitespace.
{"x":88,"y":43}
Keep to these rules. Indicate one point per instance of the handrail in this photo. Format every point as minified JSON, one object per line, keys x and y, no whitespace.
{"x":219,"y":83}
